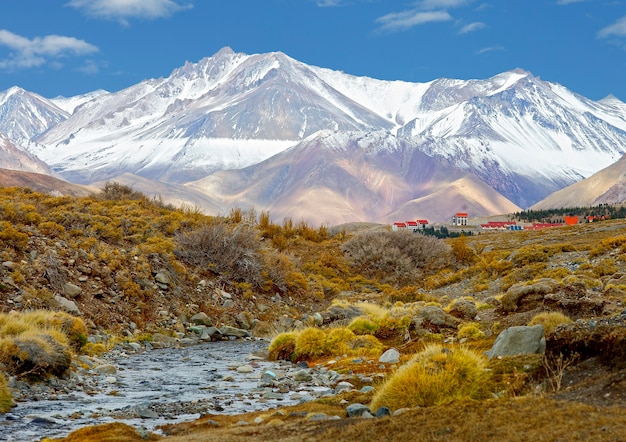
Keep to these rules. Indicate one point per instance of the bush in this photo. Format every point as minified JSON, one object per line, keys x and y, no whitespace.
{"x":400,"y":257}
{"x":6,"y":400}
{"x":310,"y":343}
{"x":470,"y":331}
{"x":363,"y":326}
{"x":435,"y":376}
{"x":283,"y":347}
{"x":549,"y":320}
{"x":338,"y":341}
{"x":230,"y":252}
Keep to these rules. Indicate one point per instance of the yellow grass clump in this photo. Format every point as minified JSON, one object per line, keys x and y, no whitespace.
{"x":363,"y":326}
{"x":549,"y":320}
{"x":435,"y":376}
{"x":6,"y":400}
{"x":283,"y":346}
{"x":312,"y":343}
{"x":470,"y":331}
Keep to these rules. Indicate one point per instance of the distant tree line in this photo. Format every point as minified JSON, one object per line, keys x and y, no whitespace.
{"x":443,"y":232}
{"x":556,"y":215}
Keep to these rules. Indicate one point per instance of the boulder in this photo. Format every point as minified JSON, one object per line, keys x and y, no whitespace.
{"x":71,"y":290}
{"x":357,"y":410}
{"x":39,"y":355}
{"x":67,"y":305}
{"x":519,"y":340}
{"x":201,"y":319}
{"x":227,"y":330}
{"x":463,"y":309}
{"x":391,"y":356}
{"x":434,"y":318}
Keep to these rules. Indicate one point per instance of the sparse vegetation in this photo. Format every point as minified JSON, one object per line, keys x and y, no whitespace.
{"x":435,"y":376}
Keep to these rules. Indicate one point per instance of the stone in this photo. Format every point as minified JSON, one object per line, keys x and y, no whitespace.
{"x":391,"y":356}
{"x":71,"y":290}
{"x":433,"y":315}
{"x":201,"y":319}
{"x":245,"y":369}
{"x":302,"y":376}
{"x":227,"y":330}
{"x":106,"y":369}
{"x":67,"y":305}
{"x":463,"y":309}
{"x":162,"y":278}
{"x":317,"y":417}
{"x":519,"y":340}
{"x":243,"y":321}
{"x":357,"y":410}
{"x":228,"y":303}
{"x":317,"y":319}
{"x":147,"y":413}
{"x":383,"y":411}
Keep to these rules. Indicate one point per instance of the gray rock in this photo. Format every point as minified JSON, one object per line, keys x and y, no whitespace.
{"x":245,"y":369}
{"x":318,"y":417}
{"x":243,"y":321}
{"x":227,"y":330}
{"x":147,"y":413}
{"x":383,"y":411}
{"x":67,"y":305}
{"x":71,"y":290}
{"x":162,"y":278}
{"x":201,"y":319}
{"x":518,"y":341}
{"x":106,"y":369}
{"x":302,"y":376}
{"x":434,"y":315}
{"x":317,"y":319}
{"x":228,"y":303}
{"x":357,"y":410}
{"x":464,"y":309}
{"x":391,"y":356}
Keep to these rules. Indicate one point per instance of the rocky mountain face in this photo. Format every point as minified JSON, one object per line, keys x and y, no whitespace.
{"x":268,"y":131}
{"x":13,"y":157}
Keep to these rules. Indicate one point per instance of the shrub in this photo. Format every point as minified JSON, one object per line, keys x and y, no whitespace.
{"x":114,"y":191}
{"x":283,"y":347}
{"x":435,"y":376}
{"x":363,"y":326}
{"x":366,"y":345}
{"x":310,"y":343}
{"x":230,"y":252}
{"x":338,"y":341}
{"x":6,"y":400}
{"x":400,"y":256}
{"x":549,"y":320}
{"x":470,"y":331}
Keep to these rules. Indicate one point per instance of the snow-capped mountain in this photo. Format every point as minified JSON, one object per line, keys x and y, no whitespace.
{"x":25,"y":115}
{"x":13,"y":157}
{"x":514,"y":132}
{"x":336,"y":177}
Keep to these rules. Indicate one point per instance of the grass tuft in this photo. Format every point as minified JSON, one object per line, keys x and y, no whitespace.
{"x":435,"y":376}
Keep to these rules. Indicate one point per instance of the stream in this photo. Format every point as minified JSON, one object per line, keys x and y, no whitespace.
{"x":153,"y":388}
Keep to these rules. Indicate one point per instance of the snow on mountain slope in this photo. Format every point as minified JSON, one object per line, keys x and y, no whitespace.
{"x":69,"y":104}
{"x":25,"y":115}
{"x":522,"y":136}
{"x":336,"y":177}
{"x":268,"y":101}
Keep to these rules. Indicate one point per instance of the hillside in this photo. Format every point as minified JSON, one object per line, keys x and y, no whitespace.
{"x":132,"y":267}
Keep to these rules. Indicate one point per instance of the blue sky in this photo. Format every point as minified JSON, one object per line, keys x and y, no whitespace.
{"x":68,"y":47}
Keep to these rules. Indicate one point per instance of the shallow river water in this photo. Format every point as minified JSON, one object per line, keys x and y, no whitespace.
{"x":153,"y":388}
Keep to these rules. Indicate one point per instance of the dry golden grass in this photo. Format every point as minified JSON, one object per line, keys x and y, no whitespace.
{"x":435,"y":376}
{"x":549,"y":320}
{"x":6,"y":399}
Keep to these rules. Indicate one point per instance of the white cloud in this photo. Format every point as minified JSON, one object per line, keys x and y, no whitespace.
{"x":471,"y":27}
{"x":430,"y":5}
{"x":326,"y":3}
{"x":400,"y":21}
{"x":568,"y":2}
{"x":489,"y":49}
{"x":617,"y":29}
{"x":27,"y":53}
{"x":122,"y":10}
